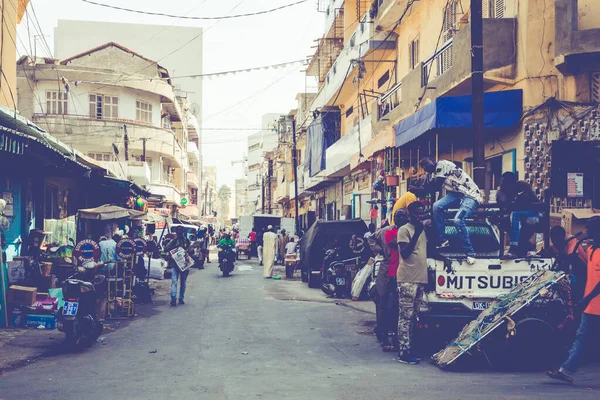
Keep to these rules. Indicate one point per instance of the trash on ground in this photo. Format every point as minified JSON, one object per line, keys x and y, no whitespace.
{"x":101,"y":340}
{"x":153,"y":351}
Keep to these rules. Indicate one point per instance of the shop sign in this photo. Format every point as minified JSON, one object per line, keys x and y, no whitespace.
{"x":574,"y":184}
{"x":140,"y":246}
{"x":363,"y":182}
{"x":126,"y":249}
{"x":349,"y":186}
{"x":86,"y":250}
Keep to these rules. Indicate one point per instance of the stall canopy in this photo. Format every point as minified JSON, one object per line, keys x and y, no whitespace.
{"x":322,"y":133}
{"x":108,"y":212}
{"x":502,"y":109}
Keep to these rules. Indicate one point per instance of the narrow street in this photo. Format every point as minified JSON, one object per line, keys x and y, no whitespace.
{"x":246,"y":337}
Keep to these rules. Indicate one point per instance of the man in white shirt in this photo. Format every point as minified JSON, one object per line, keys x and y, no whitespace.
{"x":461,"y":192}
{"x":290,"y":248}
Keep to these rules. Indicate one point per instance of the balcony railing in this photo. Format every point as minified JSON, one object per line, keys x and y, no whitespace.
{"x":436,"y":65}
{"x":389,"y":100}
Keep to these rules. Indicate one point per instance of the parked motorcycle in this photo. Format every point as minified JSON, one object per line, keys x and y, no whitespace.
{"x":337,"y":274}
{"x":227,"y":258}
{"x":82,"y":293}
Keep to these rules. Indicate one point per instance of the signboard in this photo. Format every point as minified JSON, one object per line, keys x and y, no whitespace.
{"x":140,"y":246}
{"x":180,"y":258}
{"x":126,"y":249}
{"x":184,"y":201}
{"x":86,"y":250}
{"x":574,"y":184}
{"x":9,"y":210}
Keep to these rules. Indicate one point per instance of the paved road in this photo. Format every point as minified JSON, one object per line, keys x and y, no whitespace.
{"x":246,"y":337}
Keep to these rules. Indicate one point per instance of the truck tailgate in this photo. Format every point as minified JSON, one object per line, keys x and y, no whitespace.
{"x":486,"y":279}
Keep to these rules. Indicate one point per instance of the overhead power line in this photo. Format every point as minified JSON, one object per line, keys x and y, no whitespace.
{"x":237,"y":71}
{"x":159,"y":14}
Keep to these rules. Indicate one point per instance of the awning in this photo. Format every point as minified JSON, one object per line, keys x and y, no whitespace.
{"x":108,"y":212}
{"x":502,"y":109}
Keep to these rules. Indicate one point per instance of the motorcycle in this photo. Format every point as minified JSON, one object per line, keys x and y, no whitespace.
{"x":199,"y":253}
{"x":337,"y":273}
{"x":77,"y":318}
{"x":227,"y":257}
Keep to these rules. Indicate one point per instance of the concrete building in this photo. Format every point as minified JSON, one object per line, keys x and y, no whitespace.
{"x":209,"y":191}
{"x":391,"y":74}
{"x":156,"y":42}
{"x":259,"y":144}
{"x":135,"y":126}
{"x":241,"y":194}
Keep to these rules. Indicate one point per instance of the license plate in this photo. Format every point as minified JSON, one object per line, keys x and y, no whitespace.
{"x":70,"y":308}
{"x":340,"y":281}
{"x":480,"y":305}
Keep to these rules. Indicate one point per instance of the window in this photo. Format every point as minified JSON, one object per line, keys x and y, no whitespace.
{"x":493,"y":8}
{"x":349,"y":111}
{"x":595,"y":92}
{"x":450,"y":19}
{"x":56,"y":103}
{"x":100,"y":156}
{"x":384,"y":78}
{"x":102,"y":106}
{"x":51,"y":202}
{"x":143,"y":112}
{"x":413,"y":53}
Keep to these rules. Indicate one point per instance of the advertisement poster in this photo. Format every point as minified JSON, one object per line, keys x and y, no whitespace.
{"x":574,"y":184}
{"x":9,"y":210}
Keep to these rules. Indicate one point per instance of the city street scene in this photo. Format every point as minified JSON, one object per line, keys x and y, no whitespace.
{"x":300,"y":199}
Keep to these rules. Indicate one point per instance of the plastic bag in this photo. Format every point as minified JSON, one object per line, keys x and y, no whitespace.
{"x":361,"y":278}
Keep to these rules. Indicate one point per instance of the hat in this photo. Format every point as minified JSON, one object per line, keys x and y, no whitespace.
{"x":270,"y":227}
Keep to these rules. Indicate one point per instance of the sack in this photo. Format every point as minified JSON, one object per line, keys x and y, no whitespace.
{"x":360,"y":279}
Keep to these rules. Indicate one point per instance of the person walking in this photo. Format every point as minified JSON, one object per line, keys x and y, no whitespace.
{"x":252,"y":237}
{"x":461,"y":192}
{"x":269,"y":251}
{"x":176,"y":274}
{"x":260,"y":241}
{"x":590,"y":321}
{"x":412,"y":278}
{"x":284,"y":239}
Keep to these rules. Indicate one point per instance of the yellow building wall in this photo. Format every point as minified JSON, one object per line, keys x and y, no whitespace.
{"x":588,"y":14}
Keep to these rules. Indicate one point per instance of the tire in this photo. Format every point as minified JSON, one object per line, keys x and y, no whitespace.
{"x":74,"y":338}
{"x":314,"y":281}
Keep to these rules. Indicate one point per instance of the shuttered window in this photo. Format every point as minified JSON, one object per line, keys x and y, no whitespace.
{"x":56,"y":102}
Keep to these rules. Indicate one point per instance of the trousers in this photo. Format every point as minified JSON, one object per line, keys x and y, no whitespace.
{"x":175,"y":274}
{"x":410,"y":298}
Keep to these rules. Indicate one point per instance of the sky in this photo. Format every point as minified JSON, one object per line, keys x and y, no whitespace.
{"x":235,"y":103}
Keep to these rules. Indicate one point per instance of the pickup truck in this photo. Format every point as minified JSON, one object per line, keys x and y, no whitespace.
{"x":457,"y":292}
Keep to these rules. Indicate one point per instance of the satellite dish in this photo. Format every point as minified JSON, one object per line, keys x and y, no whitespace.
{"x":195,"y":109}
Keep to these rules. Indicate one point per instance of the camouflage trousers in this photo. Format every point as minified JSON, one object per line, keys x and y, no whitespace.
{"x":410,"y":298}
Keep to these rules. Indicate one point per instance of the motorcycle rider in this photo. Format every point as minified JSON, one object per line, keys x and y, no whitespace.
{"x":179,"y":241}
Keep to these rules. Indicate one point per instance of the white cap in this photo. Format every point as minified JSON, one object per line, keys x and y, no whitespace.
{"x":270,"y":227}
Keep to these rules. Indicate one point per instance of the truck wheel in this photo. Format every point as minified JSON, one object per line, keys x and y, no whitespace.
{"x":533,"y":347}
{"x":313,"y":281}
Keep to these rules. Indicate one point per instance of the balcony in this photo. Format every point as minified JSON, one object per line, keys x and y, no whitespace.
{"x":282,"y":192}
{"x":170,"y":192}
{"x":339,"y":154}
{"x":389,"y":12}
{"x":448,"y":70}
{"x":192,"y":150}
{"x":192,"y":180}
{"x":577,"y":39}
{"x":88,"y":134}
{"x":139,"y":172}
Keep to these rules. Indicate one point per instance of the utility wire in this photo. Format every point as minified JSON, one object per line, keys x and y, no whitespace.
{"x":191,"y":17}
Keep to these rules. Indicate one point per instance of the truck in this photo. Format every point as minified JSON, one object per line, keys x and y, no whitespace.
{"x":262,"y":221}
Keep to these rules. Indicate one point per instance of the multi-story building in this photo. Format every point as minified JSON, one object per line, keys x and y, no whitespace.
{"x":398,"y":74}
{"x":259,"y":144}
{"x":241,"y":194}
{"x":153,"y":41}
{"x":209,"y":191}
{"x":119,"y":108}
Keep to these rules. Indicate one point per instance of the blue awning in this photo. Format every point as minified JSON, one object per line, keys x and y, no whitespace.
{"x":502,"y":109}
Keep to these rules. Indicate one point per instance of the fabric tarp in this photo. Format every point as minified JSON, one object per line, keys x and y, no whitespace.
{"x":322,"y":133}
{"x":502,"y":109}
{"x":108,"y":212}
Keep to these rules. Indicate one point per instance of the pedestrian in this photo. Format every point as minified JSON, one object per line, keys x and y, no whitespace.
{"x":374,"y":213}
{"x":269,"y":251}
{"x":176,"y":274}
{"x":260,"y":245}
{"x":590,"y":320}
{"x":412,"y":278}
{"x":461,"y":192}
{"x":370,"y":232}
{"x":284,"y":239}
{"x":252,"y":237}
{"x":386,"y":304}
{"x":108,"y":252}
{"x":413,"y":194}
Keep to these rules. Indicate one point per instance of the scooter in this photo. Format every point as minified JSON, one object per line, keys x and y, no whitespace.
{"x":81,"y":294}
{"x":336,"y":279}
{"x":227,"y":258}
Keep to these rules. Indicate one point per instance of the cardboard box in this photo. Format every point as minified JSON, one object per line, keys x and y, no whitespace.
{"x":44,"y":302}
{"x":38,"y":321}
{"x":574,"y":219}
{"x":16,"y":270}
{"x":21,"y":295}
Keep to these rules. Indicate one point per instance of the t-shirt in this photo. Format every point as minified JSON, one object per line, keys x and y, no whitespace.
{"x":392,"y":243}
{"x":290,"y":248}
{"x":457,"y":180}
{"x":414,"y":268}
{"x":593,"y":278}
{"x":373,"y":213}
{"x":403,"y":202}
{"x":253,"y":236}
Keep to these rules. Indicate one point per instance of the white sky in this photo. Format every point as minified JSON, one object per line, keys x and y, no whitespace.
{"x":233,"y":101}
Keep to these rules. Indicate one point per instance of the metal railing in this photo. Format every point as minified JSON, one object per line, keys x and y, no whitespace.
{"x":436,"y":65}
{"x":390,"y":100}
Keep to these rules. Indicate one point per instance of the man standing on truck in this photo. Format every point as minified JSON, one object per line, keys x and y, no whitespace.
{"x":591,"y":314}
{"x":461,"y":192}
{"x":412,"y":278}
